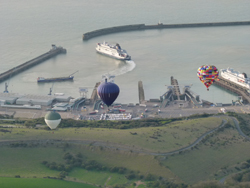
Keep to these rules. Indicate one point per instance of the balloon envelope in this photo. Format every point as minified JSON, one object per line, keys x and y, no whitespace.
{"x":207,"y":74}
{"x":108,"y":92}
{"x":52,"y":119}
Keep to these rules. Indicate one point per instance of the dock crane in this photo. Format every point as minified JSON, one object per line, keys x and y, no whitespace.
{"x":6,"y":88}
{"x":50,"y":89}
{"x":7,"y":84}
{"x":73,"y":73}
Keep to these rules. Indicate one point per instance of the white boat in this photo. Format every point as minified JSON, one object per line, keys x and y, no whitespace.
{"x":113,"y":51}
{"x":236,"y":77}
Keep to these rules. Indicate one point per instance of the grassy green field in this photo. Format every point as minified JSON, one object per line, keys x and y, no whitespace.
{"x":39,"y":183}
{"x":100,"y":178}
{"x":154,"y":139}
{"x":222,"y":150}
{"x":141,"y":186}
{"x":132,"y":161}
{"x":26,"y":162}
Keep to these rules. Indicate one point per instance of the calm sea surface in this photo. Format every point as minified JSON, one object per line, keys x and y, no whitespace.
{"x":28,"y":28}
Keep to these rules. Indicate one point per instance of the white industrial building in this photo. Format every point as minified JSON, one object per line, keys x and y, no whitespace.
{"x":62,"y":98}
{"x":9,"y":98}
{"x":43,"y":100}
{"x":16,"y":100}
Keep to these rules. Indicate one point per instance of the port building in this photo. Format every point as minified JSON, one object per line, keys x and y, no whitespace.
{"x":29,"y":99}
{"x":9,"y":98}
{"x":42,"y":100}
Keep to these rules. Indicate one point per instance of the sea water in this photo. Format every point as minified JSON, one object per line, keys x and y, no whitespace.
{"x":28,"y":28}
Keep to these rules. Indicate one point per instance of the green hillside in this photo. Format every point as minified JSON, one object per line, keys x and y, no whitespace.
{"x":137,"y":150}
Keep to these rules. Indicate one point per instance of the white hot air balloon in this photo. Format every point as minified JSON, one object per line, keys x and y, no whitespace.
{"x":52,"y":119}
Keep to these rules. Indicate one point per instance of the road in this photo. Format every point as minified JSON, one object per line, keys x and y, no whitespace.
{"x":238,"y":128}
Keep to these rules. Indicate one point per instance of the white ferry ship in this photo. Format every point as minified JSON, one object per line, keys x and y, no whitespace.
{"x":236,"y":77}
{"x":113,"y":51}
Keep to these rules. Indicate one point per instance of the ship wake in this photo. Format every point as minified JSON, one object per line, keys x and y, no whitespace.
{"x":125,"y":68}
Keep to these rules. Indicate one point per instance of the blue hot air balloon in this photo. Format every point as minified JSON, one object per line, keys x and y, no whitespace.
{"x":108,"y":92}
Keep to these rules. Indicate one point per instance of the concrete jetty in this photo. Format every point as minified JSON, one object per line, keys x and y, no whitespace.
{"x":141,"y":92}
{"x":20,"y":68}
{"x":94,"y":95}
{"x":138,"y":27}
{"x":233,"y":87}
{"x":176,"y":90}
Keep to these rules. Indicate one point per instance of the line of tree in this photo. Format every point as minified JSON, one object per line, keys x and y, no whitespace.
{"x":16,"y":144}
{"x":80,"y":161}
{"x":5,"y":116}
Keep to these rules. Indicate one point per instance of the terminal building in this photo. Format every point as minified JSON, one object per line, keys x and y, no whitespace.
{"x":15,"y":100}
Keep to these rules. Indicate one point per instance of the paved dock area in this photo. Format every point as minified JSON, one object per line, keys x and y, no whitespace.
{"x":151,"y":110}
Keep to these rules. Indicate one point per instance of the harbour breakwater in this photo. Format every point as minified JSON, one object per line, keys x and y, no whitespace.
{"x":138,"y":27}
{"x":20,"y":68}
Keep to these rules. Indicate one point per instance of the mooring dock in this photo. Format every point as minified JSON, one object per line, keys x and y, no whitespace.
{"x":176,"y":88}
{"x":233,"y":87}
{"x":20,"y":68}
{"x":141,"y":92}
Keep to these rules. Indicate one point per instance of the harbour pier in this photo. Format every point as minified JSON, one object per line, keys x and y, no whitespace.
{"x":233,"y":87}
{"x":139,"y":27}
{"x":94,"y":95}
{"x":141,"y":92}
{"x":20,"y":68}
{"x":176,"y":88}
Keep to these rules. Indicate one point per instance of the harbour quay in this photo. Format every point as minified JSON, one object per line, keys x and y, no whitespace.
{"x":20,"y":68}
{"x":233,"y":87}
